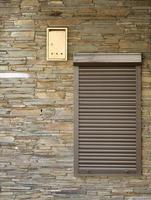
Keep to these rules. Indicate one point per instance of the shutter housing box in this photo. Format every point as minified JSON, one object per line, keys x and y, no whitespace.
{"x":107,"y":128}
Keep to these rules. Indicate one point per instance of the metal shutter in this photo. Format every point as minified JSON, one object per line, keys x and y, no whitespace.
{"x":108,"y":119}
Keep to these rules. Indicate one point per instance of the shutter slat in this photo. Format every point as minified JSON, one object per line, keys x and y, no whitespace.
{"x":105,"y":170}
{"x":92,"y":92}
{"x":108,"y":114}
{"x":107,"y":129}
{"x":90,"y":89}
{"x":107,"y":110}
{"x":110,"y":96}
{"x":94,"y":121}
{"x":108,"y":150}
{"x":106,"y":125}
{"x":129,"y":118}
{"x":98,"y":101}
{"x":111,"y":137}
{"x":95,"y":85}
{"x":106,"y":77}
{"x":131,"y":139}
{"x":96,"y":69}
{"x":100,"y":81}
{"x":105,"y":165}
{"x":84,"y":146}
{"x":110,"y":132}
{"x":88,"y":158}
{"x":106,"y":155}
{"x":107,"y":73}
{"x":96,"y":130}
{"x":83,"y":162}
{"x":81,"y":106}
{"x":124,"y":143}
{"x":108,"y":103}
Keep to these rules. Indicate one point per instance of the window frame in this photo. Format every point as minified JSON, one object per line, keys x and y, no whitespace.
{"x":106,"y":59}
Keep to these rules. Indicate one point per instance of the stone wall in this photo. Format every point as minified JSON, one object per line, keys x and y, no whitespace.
{"x":36,"y":114}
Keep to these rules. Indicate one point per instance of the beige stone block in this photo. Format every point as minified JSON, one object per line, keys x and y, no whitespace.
{"x":26,"y":35}
{"x":66,"y":138}
{"x":24,"y":23}
{"x":86,"y":11}
{"x":60,"y":126}
{"x":139,"y":45}
{"x":9,"y":10}
{"x":50,"y":94}
{"x":146,"y":92}
{"x":42,"y":95}
{"x":22,"y":53}
{"x":19,"y":44}
{"x":62,"y":22}
{"x":25,"y":112}
{"x":3,"y":67}
{"x":146,"y":79}
{"x":113,"y":12}
{"x":86,"y":1}
{"x":6,"y":139}
{"x":46,"y":84}
{"x":28,"y":3}
{"x":4,"y":34}
{"x":47,"y":142}
{"x":56,"y":2}
{"x":111,"y":40}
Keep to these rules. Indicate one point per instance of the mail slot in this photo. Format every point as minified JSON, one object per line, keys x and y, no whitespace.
{"x":56,"y":44}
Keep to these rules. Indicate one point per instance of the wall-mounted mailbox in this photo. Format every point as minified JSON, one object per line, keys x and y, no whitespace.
{"x":56,"y":44}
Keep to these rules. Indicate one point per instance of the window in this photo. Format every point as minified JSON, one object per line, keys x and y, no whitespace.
{"x":107,"y":137}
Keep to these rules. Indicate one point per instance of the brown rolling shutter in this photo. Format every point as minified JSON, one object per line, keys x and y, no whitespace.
{"x":107,"y":114}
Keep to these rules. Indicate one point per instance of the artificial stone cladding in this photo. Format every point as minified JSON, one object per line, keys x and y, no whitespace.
{"x":36,"y":113}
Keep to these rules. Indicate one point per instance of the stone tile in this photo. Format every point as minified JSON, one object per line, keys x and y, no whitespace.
{"x":25,"y":36}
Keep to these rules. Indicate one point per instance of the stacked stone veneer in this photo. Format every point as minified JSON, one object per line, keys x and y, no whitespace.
{"x":36,"y":114}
